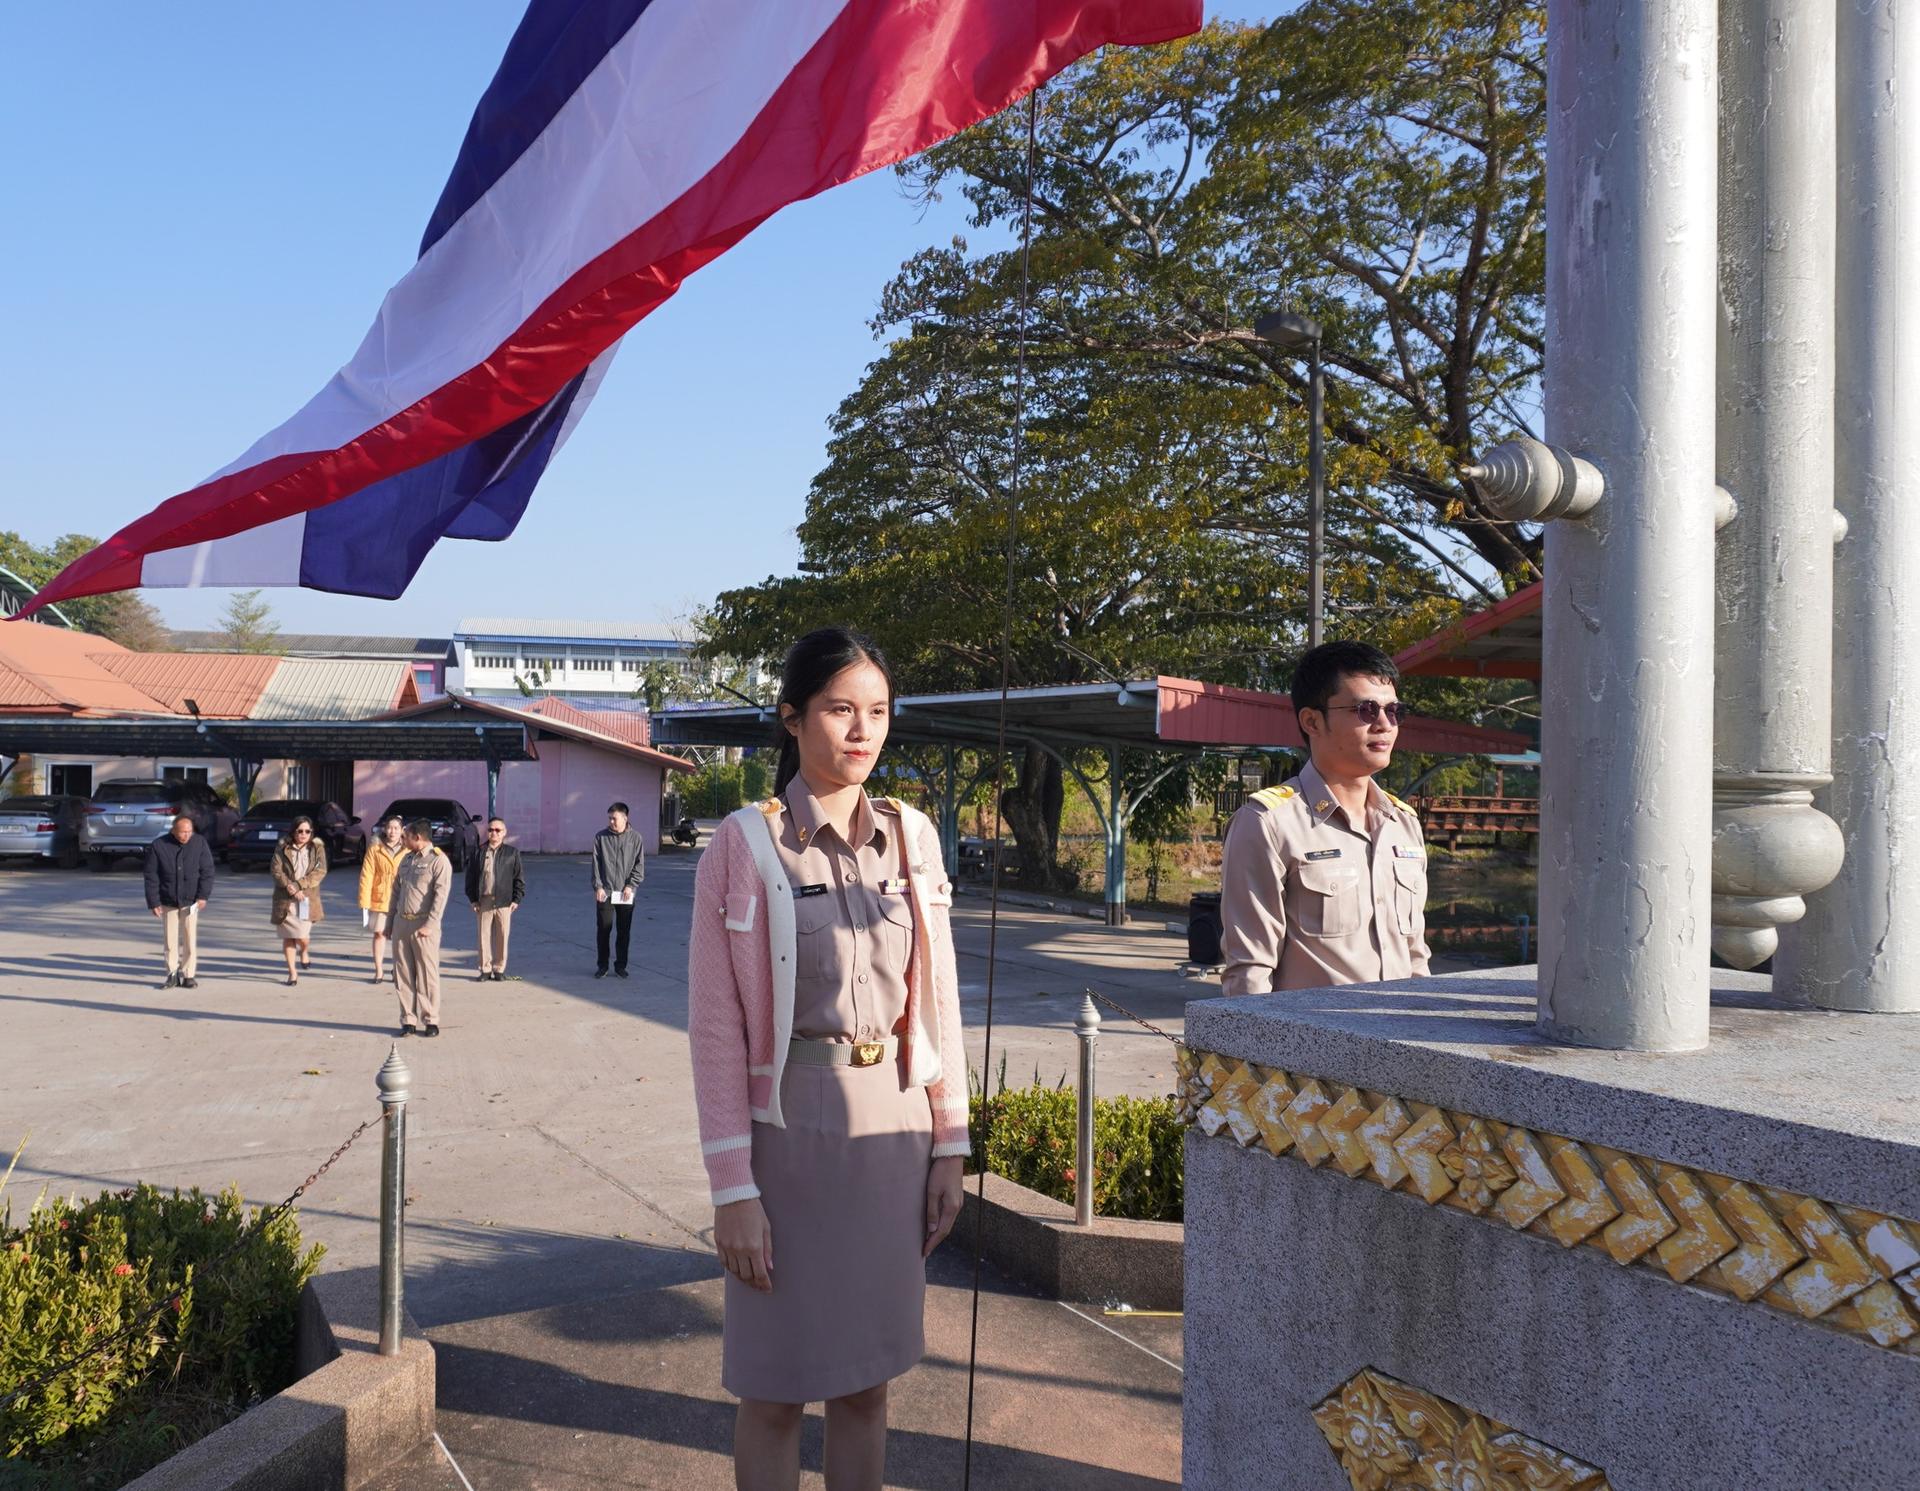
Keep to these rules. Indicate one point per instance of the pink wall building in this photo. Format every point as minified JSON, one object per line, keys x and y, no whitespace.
{"x":553,"y":805}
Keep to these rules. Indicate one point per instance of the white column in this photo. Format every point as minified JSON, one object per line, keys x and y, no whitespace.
{"x":1628,"y":655}
{"x":1859,"y":947}
{"x":1773,"y":653}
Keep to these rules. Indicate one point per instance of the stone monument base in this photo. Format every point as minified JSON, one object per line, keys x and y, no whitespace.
{"x":1425,"y":1246}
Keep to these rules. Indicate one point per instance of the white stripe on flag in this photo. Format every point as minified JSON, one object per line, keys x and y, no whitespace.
{"x":664,"y":106}
{"x":267,"y":555}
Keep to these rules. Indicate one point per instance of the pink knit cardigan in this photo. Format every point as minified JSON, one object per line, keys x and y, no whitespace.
{"x":740,"y":958}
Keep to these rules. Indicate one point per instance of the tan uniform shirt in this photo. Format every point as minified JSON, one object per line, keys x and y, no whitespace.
{"x":421,"y":884}
{"x":1309,"y":898}
{"x":853,"y":918}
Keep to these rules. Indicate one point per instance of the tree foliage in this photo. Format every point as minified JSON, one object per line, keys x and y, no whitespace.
{"x":1372,"y":163}
{"x":247,"y":625}
{"x":123,"y":616}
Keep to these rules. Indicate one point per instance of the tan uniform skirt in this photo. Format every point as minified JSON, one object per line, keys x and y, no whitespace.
{"x":844,"y":1185}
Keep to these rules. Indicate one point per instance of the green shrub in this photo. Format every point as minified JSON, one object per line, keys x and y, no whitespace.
{"x":1027,"y":1135}
{"x":72,"y":1274}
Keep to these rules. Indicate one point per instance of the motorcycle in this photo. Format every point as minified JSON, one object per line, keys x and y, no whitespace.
{"x":686,"y":832}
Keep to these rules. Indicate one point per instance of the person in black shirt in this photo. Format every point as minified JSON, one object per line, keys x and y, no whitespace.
{"x":179,"y":874}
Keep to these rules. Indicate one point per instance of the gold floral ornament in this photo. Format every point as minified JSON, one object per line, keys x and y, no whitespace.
{"x":1391,"y":1436}
{"x":1845,"y":1267}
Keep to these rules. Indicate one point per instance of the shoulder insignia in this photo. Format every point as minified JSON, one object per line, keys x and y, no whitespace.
{"x":1272,"y":797}
{"x":771,"y":806}
{"x":1400,"y":803}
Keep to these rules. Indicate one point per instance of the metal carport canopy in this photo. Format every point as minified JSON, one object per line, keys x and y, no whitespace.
{"x":247,"y":743}
{"x":1161,"y":713}
{"x":1152,"y":714}
{"x":269,"y":740}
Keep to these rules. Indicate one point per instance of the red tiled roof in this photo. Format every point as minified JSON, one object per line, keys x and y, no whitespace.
{"x":551,"y":722}
{"x":225,"y":685}
{"x":50,"y":670}
{"x":621,"y":724}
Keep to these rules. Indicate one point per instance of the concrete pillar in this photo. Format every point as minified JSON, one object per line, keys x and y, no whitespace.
{"x":1628,"y":616}
{"x":1773,"y":579}
{"x":1859,"y":947}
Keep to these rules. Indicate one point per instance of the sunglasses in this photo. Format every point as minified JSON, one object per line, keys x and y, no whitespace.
{"x":301,"y":833}
{"x":1370,"y":711}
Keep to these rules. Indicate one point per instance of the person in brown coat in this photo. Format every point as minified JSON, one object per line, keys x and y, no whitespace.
{"x":298,"y":866}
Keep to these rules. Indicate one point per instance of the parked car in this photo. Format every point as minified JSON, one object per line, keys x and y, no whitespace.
{"x":455,"y":830}
{"x":43,"y":827}
{"x":259,"y":833}
{"x":125,"y":817}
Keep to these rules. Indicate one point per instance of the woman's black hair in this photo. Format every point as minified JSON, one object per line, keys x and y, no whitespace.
{"x":294,"y":827}
{"x":812,"y":663}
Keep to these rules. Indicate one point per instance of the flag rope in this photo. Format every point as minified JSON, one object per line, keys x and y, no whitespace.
{"x":1015,"y":469}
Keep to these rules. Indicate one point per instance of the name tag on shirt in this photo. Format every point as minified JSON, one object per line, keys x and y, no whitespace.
{"x":893,"y":887}
{"x":1324,"y":854}
{"x":1403,"y":851}
{"x":801,"y":892}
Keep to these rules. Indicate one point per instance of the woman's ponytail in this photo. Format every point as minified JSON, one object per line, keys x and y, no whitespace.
{"x":789,"y":766}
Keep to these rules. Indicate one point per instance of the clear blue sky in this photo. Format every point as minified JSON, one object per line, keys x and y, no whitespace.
{"x":205,"y":206}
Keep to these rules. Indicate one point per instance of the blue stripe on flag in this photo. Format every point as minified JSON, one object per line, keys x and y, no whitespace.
{"x":373,"y":542}
{"x":558,"y":43}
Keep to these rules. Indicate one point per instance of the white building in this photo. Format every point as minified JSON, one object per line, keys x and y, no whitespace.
{"x":572,"y":659}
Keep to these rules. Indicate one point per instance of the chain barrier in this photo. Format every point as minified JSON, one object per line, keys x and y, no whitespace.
{"x":1115,"y":1004}
{"x":261,"y":1222}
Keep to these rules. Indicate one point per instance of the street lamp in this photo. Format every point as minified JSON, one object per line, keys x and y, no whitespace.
{"x":1293,"y":332}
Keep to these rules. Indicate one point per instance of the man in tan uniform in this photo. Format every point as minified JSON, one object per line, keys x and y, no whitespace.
{"x":1325,"y":877}
{"x":422,"y":882}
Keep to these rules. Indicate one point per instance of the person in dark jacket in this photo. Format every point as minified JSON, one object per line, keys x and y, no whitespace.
{"x":495,"y":886}
{"x":619,"y":865}
{"x":179,"y":874}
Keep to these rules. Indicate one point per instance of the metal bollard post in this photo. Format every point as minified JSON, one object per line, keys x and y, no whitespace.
{"x":1087,"y":1027}
{"x":393,"y":1081}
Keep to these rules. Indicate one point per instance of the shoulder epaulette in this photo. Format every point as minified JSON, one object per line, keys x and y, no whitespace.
{"x":1272,"y":797}
{"x":1400,"y":803}
{"x":771,"y":806}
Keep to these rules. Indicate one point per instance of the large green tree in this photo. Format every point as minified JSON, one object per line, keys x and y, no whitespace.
{"x":1373,"y":163}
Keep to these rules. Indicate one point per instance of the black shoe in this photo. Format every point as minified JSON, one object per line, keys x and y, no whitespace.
{"x":406,"y":1030}
{"x":499,"y":977}
{"x":485,"y":978}
{"x":600,"y":973}
{"x":189,"y":983}
{"x":172,"y":979}
{"x":619,"y":973}
{"x":433,"y":1030}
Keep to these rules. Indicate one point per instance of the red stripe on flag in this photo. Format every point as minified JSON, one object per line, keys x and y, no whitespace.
{"x":884,"y":81}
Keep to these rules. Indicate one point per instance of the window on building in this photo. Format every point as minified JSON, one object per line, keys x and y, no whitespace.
{"x":70,"y":779}
{"x":593,"y":665}
{"x":493,"y":660}
{"x":182,"y":773}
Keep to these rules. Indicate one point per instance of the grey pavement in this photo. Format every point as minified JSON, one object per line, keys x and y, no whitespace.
{"x":558,"y":1239}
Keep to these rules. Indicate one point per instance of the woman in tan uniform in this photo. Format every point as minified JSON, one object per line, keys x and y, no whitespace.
{"x":298,"y":866}
{"x":827,"y":1288}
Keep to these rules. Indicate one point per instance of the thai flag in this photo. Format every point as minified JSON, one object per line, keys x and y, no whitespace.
{"x":622,"y":145}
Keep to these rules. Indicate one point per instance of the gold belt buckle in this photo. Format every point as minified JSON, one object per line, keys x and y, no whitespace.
{"x":868,"y":1053}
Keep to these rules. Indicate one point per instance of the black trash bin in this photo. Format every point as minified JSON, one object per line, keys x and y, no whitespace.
{"x":1203,"y":929}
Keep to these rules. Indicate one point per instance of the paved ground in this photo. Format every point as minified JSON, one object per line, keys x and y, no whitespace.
{"x":557,"y":1243}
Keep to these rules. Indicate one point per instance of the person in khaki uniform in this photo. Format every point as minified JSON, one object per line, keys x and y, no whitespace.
{"x":422,"y":884}
{"x":1325,"y":876}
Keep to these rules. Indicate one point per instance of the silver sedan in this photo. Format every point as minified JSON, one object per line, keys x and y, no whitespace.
{"x":42,"y":828}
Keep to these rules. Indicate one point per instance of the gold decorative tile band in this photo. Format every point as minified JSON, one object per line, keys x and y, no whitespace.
{"x":1843,"y":1266}
{"x":1390,"y":1436}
